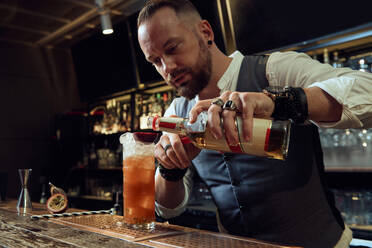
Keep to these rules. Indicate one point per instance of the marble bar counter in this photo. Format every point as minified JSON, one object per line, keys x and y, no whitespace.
{"x":79,"y":228}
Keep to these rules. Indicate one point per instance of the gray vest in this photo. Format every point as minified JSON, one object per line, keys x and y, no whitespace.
{"x":279,"y":201}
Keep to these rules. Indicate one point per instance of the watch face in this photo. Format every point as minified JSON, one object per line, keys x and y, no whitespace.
{"x":276,"y":89}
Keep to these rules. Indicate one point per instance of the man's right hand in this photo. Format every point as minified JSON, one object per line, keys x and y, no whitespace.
{"x":178,"y":156}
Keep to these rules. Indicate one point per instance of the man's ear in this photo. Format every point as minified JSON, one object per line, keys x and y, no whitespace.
{"x":206,"y":30}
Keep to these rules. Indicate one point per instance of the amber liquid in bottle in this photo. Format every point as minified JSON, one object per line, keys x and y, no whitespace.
{"x":270,"y":138}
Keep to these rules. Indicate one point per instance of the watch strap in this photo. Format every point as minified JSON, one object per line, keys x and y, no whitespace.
{"x":300,"y":111}
{"x":290,"y":103}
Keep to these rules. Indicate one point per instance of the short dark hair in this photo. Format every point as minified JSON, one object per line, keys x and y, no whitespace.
{"x":179,"y":6}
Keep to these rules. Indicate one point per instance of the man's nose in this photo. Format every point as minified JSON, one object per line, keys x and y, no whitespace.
{"x":169,"y":65}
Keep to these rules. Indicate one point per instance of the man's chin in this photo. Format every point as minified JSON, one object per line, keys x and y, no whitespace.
{"x":186,"y":92}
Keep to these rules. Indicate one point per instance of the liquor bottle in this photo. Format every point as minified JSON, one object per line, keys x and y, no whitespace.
{"x":137,"y":112}
{"x":158,"y":109}
{"x":143,"y":117}
{"x":127,"y":117}
{"x":270,"y":138}
{"x":93,"y":158}
{"x":165,"y":102}
{"x":336,"y":61}
{"x":325,"y":56}
{"x":362,"y":65}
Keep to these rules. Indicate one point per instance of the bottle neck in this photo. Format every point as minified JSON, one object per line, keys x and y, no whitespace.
{"x":178,"y":125}
{"x":168,"y":124}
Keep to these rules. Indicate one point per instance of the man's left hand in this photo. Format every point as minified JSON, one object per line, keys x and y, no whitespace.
{"x":248,"y":105}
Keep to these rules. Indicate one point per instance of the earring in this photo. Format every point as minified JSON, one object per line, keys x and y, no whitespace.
{"x":209,"y":42}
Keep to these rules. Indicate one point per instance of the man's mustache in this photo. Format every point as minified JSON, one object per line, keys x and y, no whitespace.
{"x":172,"y":76}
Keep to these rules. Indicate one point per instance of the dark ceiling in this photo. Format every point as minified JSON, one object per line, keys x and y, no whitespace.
{"x":57,"y":23}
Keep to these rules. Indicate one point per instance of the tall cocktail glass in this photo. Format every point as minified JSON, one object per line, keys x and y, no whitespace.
{"x":138,"y":182}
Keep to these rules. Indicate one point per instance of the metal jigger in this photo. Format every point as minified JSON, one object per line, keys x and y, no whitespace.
{"x":24,"y":204}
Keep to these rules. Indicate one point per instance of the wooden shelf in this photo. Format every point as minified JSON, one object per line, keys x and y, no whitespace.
{"x":354,"y":37}
{"x":349,"y":169}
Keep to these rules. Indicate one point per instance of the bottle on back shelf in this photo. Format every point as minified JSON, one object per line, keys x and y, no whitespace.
{"x":336,"y":60}
{"x":93,"y":159}
{"x":363,"y":66}
{"x":270,"y":138}
{"x":325,"y":56}
{"x":165,"y":102}
{"x":137,"y":112}
{"x":127,"y":117}
{"x":143,"y":117}
{"x":158,"y":108}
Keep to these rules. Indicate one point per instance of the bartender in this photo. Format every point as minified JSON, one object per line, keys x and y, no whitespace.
{"x":279,"y":201}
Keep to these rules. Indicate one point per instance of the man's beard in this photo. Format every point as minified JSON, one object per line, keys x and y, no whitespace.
{"x":200,"y":73}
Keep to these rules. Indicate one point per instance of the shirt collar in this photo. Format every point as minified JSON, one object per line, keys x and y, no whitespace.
{"x":231,"y":73}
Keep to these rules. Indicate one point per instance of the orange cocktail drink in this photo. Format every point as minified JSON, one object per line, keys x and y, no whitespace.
{"x":139,"y":191}
{"x":138,"y":182}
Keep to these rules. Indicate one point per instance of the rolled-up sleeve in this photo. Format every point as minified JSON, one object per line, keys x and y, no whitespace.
{"x":168,"y":213}
{"x":351,"y":88}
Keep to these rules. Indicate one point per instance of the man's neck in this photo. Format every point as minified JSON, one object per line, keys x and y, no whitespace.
{"x":210,"y":91}
{"x":220,"y":63}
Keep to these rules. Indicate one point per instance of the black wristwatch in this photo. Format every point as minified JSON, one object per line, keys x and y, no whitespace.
{"x":290,"y":103}
{"x":172,"y":175}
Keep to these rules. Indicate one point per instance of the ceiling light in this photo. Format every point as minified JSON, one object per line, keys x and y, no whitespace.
{"x":106,"y":24}
{"x":105,"y":17}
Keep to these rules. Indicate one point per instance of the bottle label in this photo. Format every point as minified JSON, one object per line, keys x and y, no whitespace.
{"x":256,"y":146}
{"x":260,"y":137}
{"x":169,"y":124}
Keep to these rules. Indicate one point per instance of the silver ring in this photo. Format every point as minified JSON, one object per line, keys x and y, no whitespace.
{"x":230,"y":105}
{"x":217,"y":101}
{"x":167,"y":147}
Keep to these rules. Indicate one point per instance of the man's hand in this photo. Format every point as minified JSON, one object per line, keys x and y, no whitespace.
{"x":178,"y":155}
{"x":249,"y":105}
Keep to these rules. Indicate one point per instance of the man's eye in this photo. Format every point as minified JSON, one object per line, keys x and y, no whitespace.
{"x":156,"y":62}
{"x":172,"y":49}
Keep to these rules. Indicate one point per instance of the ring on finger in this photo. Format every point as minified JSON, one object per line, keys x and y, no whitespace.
{"x":217,"y":101}
{"x":230,"y":105}
{"x":167,"y":147}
